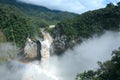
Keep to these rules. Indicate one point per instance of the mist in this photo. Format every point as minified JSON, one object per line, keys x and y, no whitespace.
{"x":82,"y":57}
{"x":7,"y":51}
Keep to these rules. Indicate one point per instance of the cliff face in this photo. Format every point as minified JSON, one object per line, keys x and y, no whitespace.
{"x":61,"y":42}
{"x":71,"y":31}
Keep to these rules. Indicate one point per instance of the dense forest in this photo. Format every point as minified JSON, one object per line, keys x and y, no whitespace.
{"x":15,"y":15}
{"x":40,"y":16}
{"x":18,"y":20}
{"x":95,"y":22}
{"x":86,"y":25}
{"x":15,"y":26}
{"x":92,"y":22}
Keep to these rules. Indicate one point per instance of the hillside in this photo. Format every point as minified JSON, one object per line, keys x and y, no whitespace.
{"x":15,"y":26}
{"x":39,"y":15}
{"x":92,"y":22}
{"x":87,"y":24}
{"x":18,"y":20}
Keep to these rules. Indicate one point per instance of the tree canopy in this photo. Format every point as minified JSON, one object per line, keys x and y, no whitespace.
{"x":109,"y":70}
{"x":92,"y":22}
{"x":14,"y":24}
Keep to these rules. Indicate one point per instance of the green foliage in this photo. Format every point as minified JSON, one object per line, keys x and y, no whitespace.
{"x":109,"y":70}
{"x":18,"y":20}
{"x":110,"y":5}
{"x":118,"y":3}
{"x":68,"y":29}
{"x":14,"y":24}
{"x":39,"y":14}
{"x":92,"y":22}
{"x":86,"y":75}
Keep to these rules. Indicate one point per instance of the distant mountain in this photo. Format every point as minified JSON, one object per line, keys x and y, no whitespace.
{"x":18,"y":20}
{"x":40,"y":16}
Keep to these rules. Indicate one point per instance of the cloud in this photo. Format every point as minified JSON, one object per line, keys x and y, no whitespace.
{"x":76,"y":6}
{"x":84,"y":56}
{"x":111,"y":1}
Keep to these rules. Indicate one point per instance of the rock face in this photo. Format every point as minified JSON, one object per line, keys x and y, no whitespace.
{"x":39,"y":56}
{"x":61,"y":41}
{"x":59,"y":44}
{"x":39,"y":49}
{"x":30,"y":50}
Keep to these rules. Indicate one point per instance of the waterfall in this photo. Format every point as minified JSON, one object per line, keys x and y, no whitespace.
{"x":39,"y":49}
{"x":81,"y":58}
{"x":46,"y":44}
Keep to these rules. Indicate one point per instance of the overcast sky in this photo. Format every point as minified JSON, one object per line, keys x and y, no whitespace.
{"x":76,"y":6}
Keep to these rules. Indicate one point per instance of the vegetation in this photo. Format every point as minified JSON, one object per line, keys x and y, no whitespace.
{"x":18,"y":20}
{"x":95,"y":22}
{"x":40,"y":16}
{"x":14,"y":24}
{"x":109,"y":70}
{"x":92,"y":22}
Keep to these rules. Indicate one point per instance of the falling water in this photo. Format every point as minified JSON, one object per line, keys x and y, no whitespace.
{"x":30,"y":51}
{"x":46,"y":43}
{"x":82,"y":57}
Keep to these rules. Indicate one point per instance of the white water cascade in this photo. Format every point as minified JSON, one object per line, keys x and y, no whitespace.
{"x":46,"y":44}
{"x":82,"y":57}
{"x":30,"y":49}
{"x":43,"y":68}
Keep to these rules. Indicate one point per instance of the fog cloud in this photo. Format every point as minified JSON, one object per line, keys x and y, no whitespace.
{"x":7,"y":50}
{"x":76,"y":6}
{"x":83,"y":57}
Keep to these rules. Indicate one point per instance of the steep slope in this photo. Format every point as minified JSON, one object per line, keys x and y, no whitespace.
{"x":86,"y":25}
{"x":40,"y":14}
{"x":15,"y":26}
{"x":18,"y":20}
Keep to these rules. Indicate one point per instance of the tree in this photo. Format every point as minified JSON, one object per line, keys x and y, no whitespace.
{"x":118,"y":3}
{"x":110,"y":5}
{"x":14,"y":25}
{"x":109,"y":70}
